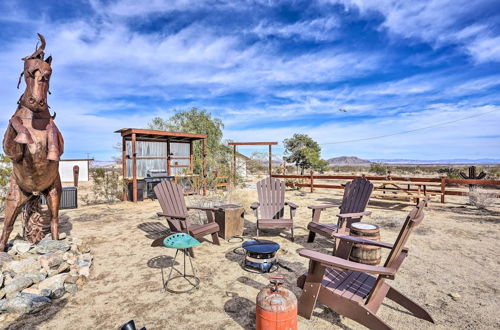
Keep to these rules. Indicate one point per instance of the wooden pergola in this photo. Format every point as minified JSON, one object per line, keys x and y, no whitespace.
{"x":146,"y":135}
{"x":234,"y":144}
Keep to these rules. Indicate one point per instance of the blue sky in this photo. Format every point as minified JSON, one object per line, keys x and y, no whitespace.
{"x":269,"y":69}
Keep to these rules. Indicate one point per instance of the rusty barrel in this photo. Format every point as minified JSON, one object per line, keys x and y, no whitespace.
{"x":362,"y":253}
{"x":276,"y":307}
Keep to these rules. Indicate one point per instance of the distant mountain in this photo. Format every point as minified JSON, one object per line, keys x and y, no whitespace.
{"x":438,"y":161}
{"x":348,"y":160}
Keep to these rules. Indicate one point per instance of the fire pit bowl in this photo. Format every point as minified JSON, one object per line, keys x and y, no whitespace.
{"x":260,"y":254}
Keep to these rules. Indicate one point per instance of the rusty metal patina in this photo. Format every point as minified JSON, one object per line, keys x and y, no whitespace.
{"x":34,"y":144}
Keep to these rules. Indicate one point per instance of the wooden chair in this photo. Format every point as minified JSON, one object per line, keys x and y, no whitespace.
{"x":272,"y":203}
{"x":357,"y":290}
{"x":356,"y":196}
{"x":171,"y":198}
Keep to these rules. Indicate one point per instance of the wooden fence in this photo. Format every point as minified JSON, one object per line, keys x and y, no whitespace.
{"x":415,"y":185}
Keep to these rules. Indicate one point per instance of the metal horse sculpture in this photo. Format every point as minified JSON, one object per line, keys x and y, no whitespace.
{"x":34,"y":144}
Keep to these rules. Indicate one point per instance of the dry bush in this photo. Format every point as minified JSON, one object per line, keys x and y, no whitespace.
{"x":482,"y":198}
{"x":107,"y":186}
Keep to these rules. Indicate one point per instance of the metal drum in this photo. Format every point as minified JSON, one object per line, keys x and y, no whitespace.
{"x":363,"y":253}
{"x":260,"y":254}
{"x":276,"y":307}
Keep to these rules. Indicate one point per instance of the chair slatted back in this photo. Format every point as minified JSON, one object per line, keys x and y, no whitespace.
{"x":171,"y":198}
{"x":271,"y":194}
{"x":356,"y":196}
{"x":412,"y":220}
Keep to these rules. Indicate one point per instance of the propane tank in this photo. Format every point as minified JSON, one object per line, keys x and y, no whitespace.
{"x":276,"y":307}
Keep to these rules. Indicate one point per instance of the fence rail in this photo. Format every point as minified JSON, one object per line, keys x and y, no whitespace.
{"x":440,"y":184}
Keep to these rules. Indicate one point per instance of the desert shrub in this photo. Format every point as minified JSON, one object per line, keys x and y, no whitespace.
{"x":292,"y":183}
{"x":5,"y":172}
{"x":107,"y":186}
{"x":481,"y":198}
{"x":451,"y":172}
{"x":378,"y":168}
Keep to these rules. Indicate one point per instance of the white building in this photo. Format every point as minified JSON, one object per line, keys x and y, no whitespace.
{"x":66,"y":169}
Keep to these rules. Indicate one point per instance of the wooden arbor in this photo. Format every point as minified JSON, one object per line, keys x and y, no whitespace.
{"x":234,"y":144}
{"x":146,"y":149}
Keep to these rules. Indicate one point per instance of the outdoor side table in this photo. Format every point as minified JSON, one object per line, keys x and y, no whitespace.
{"x":183,"y":242}
{"x":230,"y":218}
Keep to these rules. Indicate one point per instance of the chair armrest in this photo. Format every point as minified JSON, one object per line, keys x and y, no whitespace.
{"x":181,"y":217}
{"x":320,"y":207}
{"x":254,"y":205}
{"x":354,"y":215}
{"x":335,"y":262}
{"x":361,"y":240}
{"x":202,"y":208}
{"x":292,"y":205}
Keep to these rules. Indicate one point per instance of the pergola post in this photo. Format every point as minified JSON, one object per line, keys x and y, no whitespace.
{"x":191,"y":164}
{"x":234,"y":165}
{"x":204,"y":164}
{"x":169,"y":170}
{"x":124,"y":166}
{"x":270,"y":160}
{"x":134,"y":169}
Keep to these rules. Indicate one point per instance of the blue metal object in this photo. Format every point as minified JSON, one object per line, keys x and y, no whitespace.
{"x":180,"y":241}
{"x":260,"y":254}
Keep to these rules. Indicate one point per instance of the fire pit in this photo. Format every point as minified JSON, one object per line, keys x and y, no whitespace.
{"x":260,"y":254}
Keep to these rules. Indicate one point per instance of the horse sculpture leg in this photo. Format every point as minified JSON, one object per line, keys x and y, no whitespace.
{"x":14,"y":203}
{"x":23,"y":135}
{"x":53,"y":136}
{"x":53,"y":196}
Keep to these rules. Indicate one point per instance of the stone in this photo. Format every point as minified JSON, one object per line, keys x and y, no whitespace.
{"x":70,"y":287}
{"x":23,"y":266}
{"x":454,"y":295}
{"x":62,"y":268}
{"x":36,"y":277}
{"x":55,"y":284}
{"x":1,"y":304}
{"x":4,"y":257}
{"x":84,"y":271}
{"x":48,"y":245}
{"x":57,"y":293}
{"x":70,"y":257}
{"x":16,"y":285}
{"x":81,"y":280}
{"x":62,"y":236}
{"x":25,"y":303}
{"x":83,"y":248}
{"x":22,"y":247}
{"x":71,"y":280}
{"x":1,"y":279}
{"x":73,"y":270}
{"x":50,"y":260}
{"x":83,"y":263}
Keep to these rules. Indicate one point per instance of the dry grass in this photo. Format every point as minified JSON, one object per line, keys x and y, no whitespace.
{"x":454,"y":251}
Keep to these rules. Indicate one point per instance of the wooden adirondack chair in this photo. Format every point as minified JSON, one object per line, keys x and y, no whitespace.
{"x":356,"y":196}
{"x":347,"y":287}
{"x":171,"y":198}
{"x":272,"y":203}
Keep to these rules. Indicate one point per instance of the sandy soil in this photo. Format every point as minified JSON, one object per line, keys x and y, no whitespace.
{"x":453,"y":251}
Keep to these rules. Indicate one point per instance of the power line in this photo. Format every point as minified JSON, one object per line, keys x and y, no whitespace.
{"x":413,"y":130}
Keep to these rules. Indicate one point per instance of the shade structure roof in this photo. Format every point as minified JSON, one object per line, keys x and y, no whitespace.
{"x":160,"y":136}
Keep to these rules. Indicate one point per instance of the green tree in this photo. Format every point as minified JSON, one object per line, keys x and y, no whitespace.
{"x":198,"y":121}
{"x":304,"y":152}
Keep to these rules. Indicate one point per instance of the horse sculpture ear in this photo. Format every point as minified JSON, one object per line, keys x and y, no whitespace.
{"x":49,"y":59}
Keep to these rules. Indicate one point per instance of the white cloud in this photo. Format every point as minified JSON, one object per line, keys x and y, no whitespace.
{"x":438,"y":22}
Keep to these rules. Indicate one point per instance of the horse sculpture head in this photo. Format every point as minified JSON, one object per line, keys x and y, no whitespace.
{"x":36,"y":73}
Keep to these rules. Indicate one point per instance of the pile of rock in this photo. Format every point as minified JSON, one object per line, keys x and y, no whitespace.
{"x":32,"y":275}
